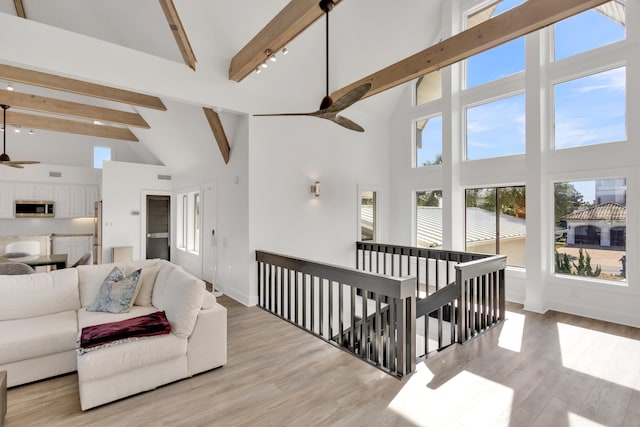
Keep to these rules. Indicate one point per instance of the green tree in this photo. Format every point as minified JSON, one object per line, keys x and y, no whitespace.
{"x":567,"y":200}
{"x":436,"y":161}
{"x":584,"y":265}
{"x":429,"y":198}
{"x":563,"y":266}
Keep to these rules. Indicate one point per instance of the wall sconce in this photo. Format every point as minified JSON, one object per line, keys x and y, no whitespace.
{"x":315,"y":189}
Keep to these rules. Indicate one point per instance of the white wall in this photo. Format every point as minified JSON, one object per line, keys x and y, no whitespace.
{"x":287,"y":155}
{"x":233,"y":268}
{"x":123,"y":186}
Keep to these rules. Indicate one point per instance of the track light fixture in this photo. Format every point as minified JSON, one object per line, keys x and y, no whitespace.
{"x":270,"y":56}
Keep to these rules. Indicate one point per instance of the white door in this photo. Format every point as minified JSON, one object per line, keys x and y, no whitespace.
{"x":209,"y":237}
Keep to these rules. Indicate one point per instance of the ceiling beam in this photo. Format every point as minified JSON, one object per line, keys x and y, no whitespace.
{"x":179,"y":33}
{"x":20,"y":9}
{"x":218,"y":132}
{"x":43,"y":104}
{"x":65,"y":84}
{"x":31,"y":121}
{"x":291,"y":21}
{"x":531,"y":16}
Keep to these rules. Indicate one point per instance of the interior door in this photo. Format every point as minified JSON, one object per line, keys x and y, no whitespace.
{"x":209,"y":238}
{"x":158,"y":226}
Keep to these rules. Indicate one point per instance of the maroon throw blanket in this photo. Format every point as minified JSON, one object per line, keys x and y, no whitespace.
{"x":137,"y":327}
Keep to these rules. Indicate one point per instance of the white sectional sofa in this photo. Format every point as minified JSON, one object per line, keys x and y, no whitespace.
{"x":42,"y":316}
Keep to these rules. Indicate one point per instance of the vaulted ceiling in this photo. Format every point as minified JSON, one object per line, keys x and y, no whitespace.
{"x":363,"y":38}
{"x":181,"y":52}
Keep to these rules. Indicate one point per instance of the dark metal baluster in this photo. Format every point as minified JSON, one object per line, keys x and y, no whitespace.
{"x":304,"y":300}
{"x":378,"y":332}
{"x":426,"y":334}
{"x":340,"y":314}
{"x":352,"y":314}
{"x":268,"y":293}
{"x":260,"y":283}
{"x":312,"y":305}
{"x":321,"y":306}
{"x":391,"y":349}
{"x":370,"y":260}
{"x":331,"y":332}
{"x":296,"y":296}
{"x":472,"y":306}
{"x":364,"y":346}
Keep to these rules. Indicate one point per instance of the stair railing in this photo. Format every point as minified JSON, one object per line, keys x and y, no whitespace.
{"x":366,"y":314}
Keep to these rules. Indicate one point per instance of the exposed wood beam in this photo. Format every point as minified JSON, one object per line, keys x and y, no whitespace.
{"x":65,"y":84}
{"x":218,"y":133}
{"x":291,"y":21}
{"x":179,"y":33}
{"x":20,"y":9}
{"x":31,"y":121}
{"x":531,"y":16}
{"x":43,"y":104}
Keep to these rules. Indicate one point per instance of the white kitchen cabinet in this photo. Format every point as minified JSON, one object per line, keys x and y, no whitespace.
{"x":75,"y":201}
{"x":73,"y":246}
{"x":33,"y":191}
{"x":6,"y":199}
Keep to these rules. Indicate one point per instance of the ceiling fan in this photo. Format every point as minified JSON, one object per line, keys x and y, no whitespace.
{"x":4,"y":157}
{"x":328,"y":108}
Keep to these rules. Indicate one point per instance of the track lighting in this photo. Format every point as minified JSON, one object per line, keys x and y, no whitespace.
{"x":264,"y":64}
{"x":270,"y":55}
{"x":284,"y":51}
{"x":258,"y":70}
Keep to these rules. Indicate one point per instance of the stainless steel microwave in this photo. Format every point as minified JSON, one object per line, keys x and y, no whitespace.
{"x":34,"y":209}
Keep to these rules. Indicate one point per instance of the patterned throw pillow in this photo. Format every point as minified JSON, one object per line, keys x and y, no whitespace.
{"x":116,"y":292}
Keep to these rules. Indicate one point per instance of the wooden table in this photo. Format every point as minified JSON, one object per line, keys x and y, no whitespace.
{"x":57,"y":260}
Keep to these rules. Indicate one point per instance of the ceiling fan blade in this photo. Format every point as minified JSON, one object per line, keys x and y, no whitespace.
{"x":349,"y":98}
{"x":12,"y":165}
{"x":282,"y":114}
{"x":349,"y":124}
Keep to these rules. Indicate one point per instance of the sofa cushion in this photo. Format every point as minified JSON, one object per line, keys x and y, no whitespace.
{"x":38,"y":294}
{"x":37,"y":336}
{"x":180,"y":295}
{"x":116,"y":292}
{"x":90,"y":318}
{"x":128,"y":356}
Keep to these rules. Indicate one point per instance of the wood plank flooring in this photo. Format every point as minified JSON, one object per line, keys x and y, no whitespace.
{"x":534,"y":370}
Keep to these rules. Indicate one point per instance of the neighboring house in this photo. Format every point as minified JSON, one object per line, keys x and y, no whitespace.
{"x":602,"y":225}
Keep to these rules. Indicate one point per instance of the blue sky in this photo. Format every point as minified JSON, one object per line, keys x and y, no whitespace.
{"x":589,"y":110}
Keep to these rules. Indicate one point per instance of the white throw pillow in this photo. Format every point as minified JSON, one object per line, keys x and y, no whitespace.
{"x":180,"y":296}
{"x":145,"y":284}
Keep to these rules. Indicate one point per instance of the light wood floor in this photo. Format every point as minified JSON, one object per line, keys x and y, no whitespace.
{"x":551,"y":370}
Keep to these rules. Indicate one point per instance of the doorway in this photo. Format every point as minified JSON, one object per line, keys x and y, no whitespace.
{"x":158,"y":226}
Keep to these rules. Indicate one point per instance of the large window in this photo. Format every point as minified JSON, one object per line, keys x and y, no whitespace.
{"x":428,"y":141}
{"x":495,"y":222}
{"x":590,"y":230}
{"x":188,"y":217}
{"x":496,"y":128}
{"x":591,"y":110}
{"x":589,"y":30}
{"x":500,"y":61}
{"x":429,"y":219}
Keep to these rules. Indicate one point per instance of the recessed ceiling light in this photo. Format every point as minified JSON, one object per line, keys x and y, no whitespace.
{"x":9,"y":87}
{"x":97,"y":122}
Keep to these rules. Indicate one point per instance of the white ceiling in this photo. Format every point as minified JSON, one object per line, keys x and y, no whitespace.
{"x":365,"y":36}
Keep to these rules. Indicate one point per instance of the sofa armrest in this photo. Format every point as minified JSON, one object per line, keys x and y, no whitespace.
{"x":207,"y":348}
